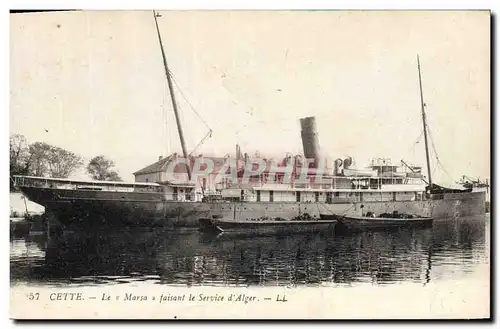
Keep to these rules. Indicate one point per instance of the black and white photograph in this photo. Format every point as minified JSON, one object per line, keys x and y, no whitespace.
{"x":250,"y":164}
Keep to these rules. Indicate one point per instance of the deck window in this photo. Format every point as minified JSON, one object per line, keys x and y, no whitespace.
{"x":258,"y":196}
{"x":271,"y":196}
{"x":316,"y":196}
{"x":297,"y":196}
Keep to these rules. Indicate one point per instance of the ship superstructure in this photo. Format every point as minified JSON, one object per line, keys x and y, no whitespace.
{"x":310,"y":188}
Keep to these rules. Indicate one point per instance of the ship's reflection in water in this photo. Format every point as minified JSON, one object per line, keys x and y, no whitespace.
{"x":447,"y":250}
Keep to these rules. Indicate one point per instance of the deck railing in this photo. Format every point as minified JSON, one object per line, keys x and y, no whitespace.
{"x":30,"y":181}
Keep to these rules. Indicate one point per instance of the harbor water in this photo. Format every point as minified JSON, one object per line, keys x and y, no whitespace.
{"x":450,"y":250}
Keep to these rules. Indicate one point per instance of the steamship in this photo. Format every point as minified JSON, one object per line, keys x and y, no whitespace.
{"x":380,"y":188}
{"x":278,"y":192}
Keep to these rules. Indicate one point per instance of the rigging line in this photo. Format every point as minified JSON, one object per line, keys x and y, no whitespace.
{"x":435,"y":167}
{"x":189,"y":103}
{"x":207,"y":135}
{"x":437,"y":157}
{"x":164,"y":130}
{"x":416,"y":141}
{"x":165,"y":120}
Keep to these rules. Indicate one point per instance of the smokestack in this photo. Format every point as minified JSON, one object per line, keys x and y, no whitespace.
{"x":310,"y":142}
{"x":238,"y":152}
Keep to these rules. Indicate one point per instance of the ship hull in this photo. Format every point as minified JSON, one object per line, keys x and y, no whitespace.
{"x":272,"y":227}
{"x":112,"y":208}
{"x":453,"y":205}
{"x":90,"y":207}
{"x":377,"y":223}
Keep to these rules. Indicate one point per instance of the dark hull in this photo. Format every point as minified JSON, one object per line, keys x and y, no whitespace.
{"x":272,"y":227}
{"x":103,"y":208}
{"x":454,"y":205}
{"x":106,"y":208}
{"x":366,"y":223}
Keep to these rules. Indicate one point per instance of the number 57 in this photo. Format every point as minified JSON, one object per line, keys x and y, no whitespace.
{"x":34,"y":296}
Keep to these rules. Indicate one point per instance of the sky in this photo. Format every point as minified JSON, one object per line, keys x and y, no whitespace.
{"x":93,"y":82}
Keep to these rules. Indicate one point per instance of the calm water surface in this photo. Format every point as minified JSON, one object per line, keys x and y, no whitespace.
{"x":449,"y":250}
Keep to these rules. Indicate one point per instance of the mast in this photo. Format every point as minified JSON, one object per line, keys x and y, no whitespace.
{"x":424,"y":123}
{"x":172,"y":97}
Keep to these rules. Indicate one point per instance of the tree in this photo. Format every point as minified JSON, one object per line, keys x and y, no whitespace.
{"x":53,"y":161}
{"x":62,"y":163}
{"x":20,"y":158}
{"x":19,"y":155}
{"x":114,"y":177}
{"x":41,"y":159}
{"x":39,"y":152}
{"x":100,"y":168}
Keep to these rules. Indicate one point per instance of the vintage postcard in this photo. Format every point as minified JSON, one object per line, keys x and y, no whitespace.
{"x":250,"y":164}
